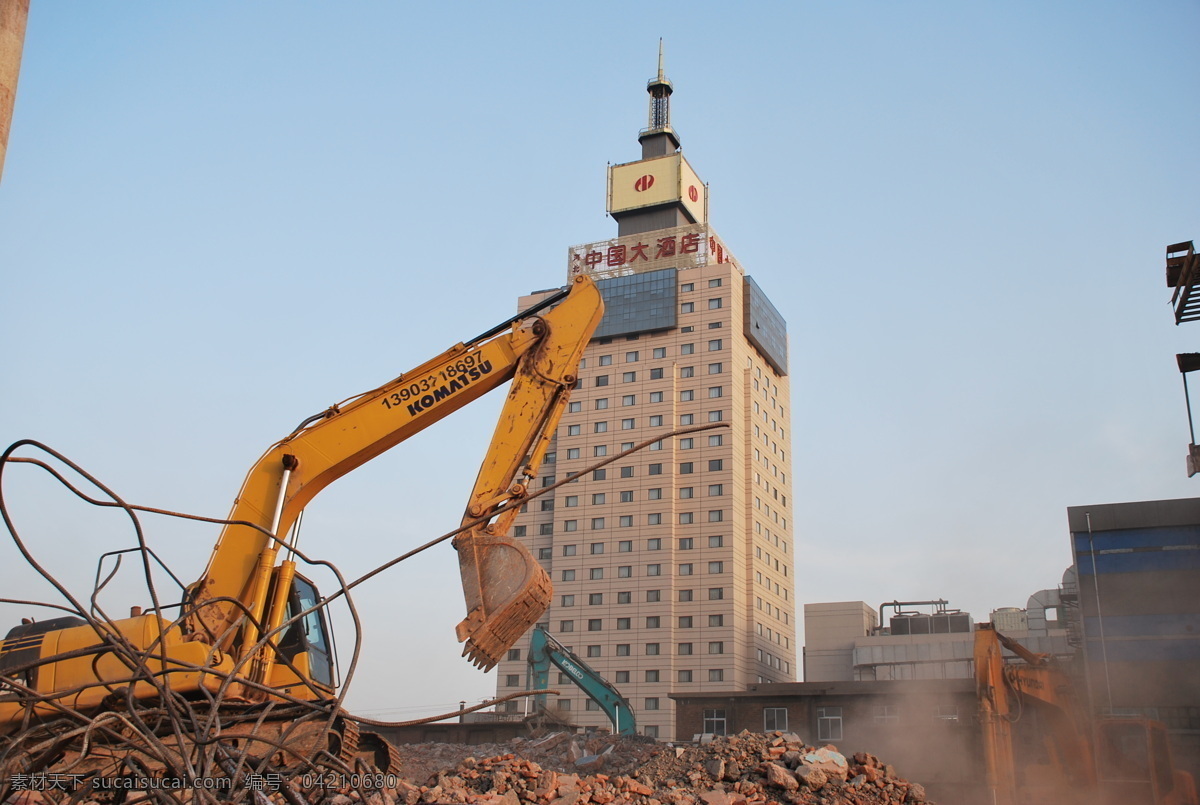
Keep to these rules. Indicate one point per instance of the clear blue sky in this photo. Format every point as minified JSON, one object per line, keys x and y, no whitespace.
{"x":219,"y":218}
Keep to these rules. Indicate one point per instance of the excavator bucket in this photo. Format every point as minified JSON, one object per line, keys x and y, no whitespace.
{"x":506,"y":591}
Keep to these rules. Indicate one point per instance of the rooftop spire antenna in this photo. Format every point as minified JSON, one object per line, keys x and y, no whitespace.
{"x":660,"y":90}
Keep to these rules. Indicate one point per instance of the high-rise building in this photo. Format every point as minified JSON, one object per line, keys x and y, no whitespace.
{"x":672,"y":566}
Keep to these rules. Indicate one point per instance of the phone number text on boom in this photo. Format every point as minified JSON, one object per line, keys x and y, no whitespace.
{"x":425,"y":385}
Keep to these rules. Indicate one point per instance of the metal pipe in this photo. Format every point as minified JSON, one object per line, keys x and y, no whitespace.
{"x":13,"y":16}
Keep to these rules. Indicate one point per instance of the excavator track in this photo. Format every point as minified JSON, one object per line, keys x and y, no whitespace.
{"x":301,"y":753}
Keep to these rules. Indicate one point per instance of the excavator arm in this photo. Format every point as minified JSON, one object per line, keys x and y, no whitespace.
{"x":545,"y":651}
{"x":505,"y":589}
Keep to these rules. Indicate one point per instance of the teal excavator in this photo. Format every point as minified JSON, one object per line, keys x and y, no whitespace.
{"x":544,"y":650}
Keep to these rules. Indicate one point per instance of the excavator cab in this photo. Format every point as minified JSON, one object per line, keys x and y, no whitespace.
{"x":1133,"y":765}
{"x":308,"y":635}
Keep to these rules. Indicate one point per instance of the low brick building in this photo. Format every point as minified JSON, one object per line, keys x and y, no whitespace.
{"x":927,"y":729}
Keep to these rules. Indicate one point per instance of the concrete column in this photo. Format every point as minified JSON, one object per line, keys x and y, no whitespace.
{"x":13,"y":14}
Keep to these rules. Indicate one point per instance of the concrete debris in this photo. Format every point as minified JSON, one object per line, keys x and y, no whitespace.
{"x":744,"y":769}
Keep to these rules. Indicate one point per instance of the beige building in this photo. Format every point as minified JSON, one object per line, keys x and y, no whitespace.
{"x":672,"y":566}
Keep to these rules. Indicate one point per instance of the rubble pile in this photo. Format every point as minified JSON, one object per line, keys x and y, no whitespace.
{"x":744,"y":769}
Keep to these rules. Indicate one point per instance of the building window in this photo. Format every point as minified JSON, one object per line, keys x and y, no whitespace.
{"x":775,"y":718}
{"x":685,"y":468}
{"x":685,"y":570}
{"x":601,"y":403}
{"x":571,"y":501}
{"x":653,"y":621}
{"x":575,"y":407}
{"x":686,"y":518}
{"x":626,"y":521}
{"x":600,"y":450}
{"x":572,"y":452}
{"x":631,"y":357}
{"x":716,"y":593}
{"x":716,"y":516}
{"x":715,"y":490}
{"x":595,"y":599}
{"x":714,"y":345}
{"x":564,"y":704}
{"x":654,"y":544}
{"x":595,"y":625}
{"x":714,"y":722}
{"x":623,"y":624}
{"x":716,"y":464}
{"x":687,"y":444}
{"x":652,"y":676}
{"x":601,"y":380}
{"x":714,"y":392}
{"x":687,"y":349}
{"x":650,"y":731}
{"x":656,"y":374}
{"x":566,"y":601}
{"x":624,"y":571}
{"x":660,"y":352}
{"x":715,"y":416}
{"x":625,"y":545}
{"x":568,"y":575}
{"x":829,"y":723}
{"x":656,"y":421}
{"x":716,"y":675}
{"x":687,"y":395}
{"x":597,"y":525}
{"x":573,"y":430}
{"x":593,"y":651}
{"x":591,"y":704}
{"x":714,"y":304}
{"x":628,"y":377}
{"x":653,"y":570}
{"x":687,"y":286}
{"x":716,"y":567}
{"x":652,"y":648}
{"x":514,"y":654}
{"x":622,"y":651}
{"x":687,"y":307}
{"x":628,"y":424}
{"x":600,"y":475}
{"x":685,"y":595}
{"x":624,"y":597}
{"x":519,"y":530}
{"x":685,"y":621}
{"x":656,"y":396}
{"x":622,"y":676}
{"x":653,"y":596}
{"x":716,"y":620}
{"x":886,"y":714}
{"x":570,"y":525}
{"x":716,"y":441}
{"x":687,"y":371}
{"x":651,"y":703}
{"x":596,"y":573}
{"x":685,"y":676}
{"x":946,"y":712}
{"x":685,"y":544}
{"x":653,"y":519}
{"x":715,"y":647}
{"x":543,"y":553}
{"x":512,"y":680}
{"x":654,"y":493}
{"x":566,"y":626}
{"x":714,"y":368}
{"x":606,"y":360}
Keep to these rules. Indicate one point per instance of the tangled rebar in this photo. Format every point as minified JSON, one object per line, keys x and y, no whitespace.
{"x":233,"y":740}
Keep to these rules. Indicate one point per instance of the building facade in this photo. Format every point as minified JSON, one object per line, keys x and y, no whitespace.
{"x":672,"y":565}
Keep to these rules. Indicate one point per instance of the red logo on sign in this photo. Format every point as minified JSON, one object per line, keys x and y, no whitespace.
{"x":644,"y":183}
{"x":693,"y":193}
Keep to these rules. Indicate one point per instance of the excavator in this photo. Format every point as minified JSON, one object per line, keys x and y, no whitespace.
{"x":1092,"y":761}
{"x":252,"y":630}
{"x":544,"y":650}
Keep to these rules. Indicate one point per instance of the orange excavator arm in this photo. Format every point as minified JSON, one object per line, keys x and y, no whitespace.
{"x":506,"y":590}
